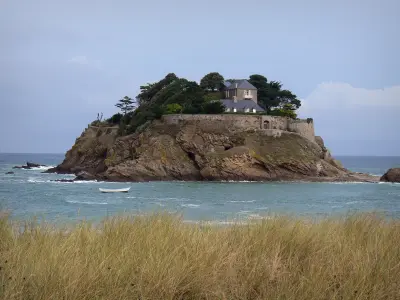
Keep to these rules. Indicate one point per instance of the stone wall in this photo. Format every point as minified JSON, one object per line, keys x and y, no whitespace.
{"x":303,"y":127}
{"x":246,"y":122}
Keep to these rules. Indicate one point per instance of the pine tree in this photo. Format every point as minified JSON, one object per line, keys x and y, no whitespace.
{"x":126,"y":105}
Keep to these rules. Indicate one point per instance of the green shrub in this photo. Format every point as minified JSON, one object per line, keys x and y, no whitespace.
{"x":173,"y":108}
{"x":115,"y":119}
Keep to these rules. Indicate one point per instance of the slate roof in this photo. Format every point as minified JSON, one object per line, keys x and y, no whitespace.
{"x":241,"y":105}
{"x":241,"y":84}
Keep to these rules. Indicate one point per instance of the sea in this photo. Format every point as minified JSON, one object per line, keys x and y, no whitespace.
{"x":28,"y":194}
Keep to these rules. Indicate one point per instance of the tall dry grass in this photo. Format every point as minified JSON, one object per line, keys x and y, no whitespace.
{"x":160,"y":257}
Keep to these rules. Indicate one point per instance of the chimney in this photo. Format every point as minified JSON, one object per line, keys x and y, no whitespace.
{"x":236,"y":85}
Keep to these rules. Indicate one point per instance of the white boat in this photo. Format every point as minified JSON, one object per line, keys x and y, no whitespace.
{"x":125,"y":190}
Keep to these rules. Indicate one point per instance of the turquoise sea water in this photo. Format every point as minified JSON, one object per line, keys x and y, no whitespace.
{"x":30,"y":193}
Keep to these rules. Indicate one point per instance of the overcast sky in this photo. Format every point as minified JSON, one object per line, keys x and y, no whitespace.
{"x":62,"y":62}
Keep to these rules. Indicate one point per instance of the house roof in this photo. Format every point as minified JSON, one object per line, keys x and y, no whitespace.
{"x":241,"y":84}
{"x":241,"y":104}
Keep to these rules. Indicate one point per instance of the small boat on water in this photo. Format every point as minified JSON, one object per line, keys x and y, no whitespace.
{"x":125,"y":190}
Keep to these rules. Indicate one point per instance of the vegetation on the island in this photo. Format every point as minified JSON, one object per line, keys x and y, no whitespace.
{"x":173,"y":95}
{"x":161,"y":257}
{"x":272,"y":97}
{"x":212,"y":82}
{"x":126,"y":105}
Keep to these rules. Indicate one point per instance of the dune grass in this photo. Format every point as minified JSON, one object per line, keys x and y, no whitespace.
{"x":161,"y":257}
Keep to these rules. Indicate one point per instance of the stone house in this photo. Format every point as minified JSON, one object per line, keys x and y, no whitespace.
{"x":241,"y":96}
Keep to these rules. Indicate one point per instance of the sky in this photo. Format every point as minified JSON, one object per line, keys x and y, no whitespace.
{"x":62,"y":62}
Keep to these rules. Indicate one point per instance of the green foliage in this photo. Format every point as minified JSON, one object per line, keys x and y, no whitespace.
{"x":169,"y":95}
{"x":179,"y":95}
{"x":215,"y":107}
{"x":288,"y":110}
{"x":213,"y":96}
{"x":115,"y":119}
{"x":126,"y":105}
{"x":147,"y":92}
{"x":212,"y":82}
{"x":173,"y":108}
{"x":271,"y":95}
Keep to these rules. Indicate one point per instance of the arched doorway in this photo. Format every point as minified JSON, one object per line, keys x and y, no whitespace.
{"x":266,"y":124}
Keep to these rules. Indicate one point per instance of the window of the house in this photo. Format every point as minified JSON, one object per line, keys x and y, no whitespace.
{"x":246,"y":109}
{"x":234,"y":110}
{"x":228,"y":110}
{"x":254,"y":110}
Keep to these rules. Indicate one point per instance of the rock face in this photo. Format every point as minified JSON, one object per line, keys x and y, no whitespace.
{"x":88,"y":153}
{"x":392,"y":175}
{"x":196,"y":150}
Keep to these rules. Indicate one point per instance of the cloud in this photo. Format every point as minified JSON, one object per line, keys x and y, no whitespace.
{"x":355,"y":120}
{"x":332,"y":95}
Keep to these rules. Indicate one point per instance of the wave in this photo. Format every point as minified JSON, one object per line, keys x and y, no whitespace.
{"x":86,"y":202}
{"x":83,"y":181}
{"x":190,"y":205}
{"x":349,"y":182}
{"x":242,"y":201}
{"x":353,"y":202}
{"x":389,"y":183}
{"x":239,"y":181}
{"x":258,"y":217}
{"x":41,"y":168}
{"x":33,"y":180}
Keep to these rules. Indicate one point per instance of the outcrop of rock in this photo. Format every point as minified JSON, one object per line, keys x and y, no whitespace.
{"x":195,"y":150}
{"x":392,"y":175}
{"x":63,"y":180}
{"x":89,"y":152}
{"x":29,"y":165}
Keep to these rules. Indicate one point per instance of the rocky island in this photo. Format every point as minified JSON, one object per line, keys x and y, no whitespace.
{"x":185,"y":131}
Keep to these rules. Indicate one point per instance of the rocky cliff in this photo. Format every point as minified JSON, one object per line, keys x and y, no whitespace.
{"x":203,"y":150}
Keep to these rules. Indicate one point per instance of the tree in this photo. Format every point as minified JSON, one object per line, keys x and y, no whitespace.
{"x":147,"y":92}
{"x":126,"y":105}
{"x":215,"y":107}
{"x":212,"y":82}
{"x":270,"y":94}
{"x":287,"y":110}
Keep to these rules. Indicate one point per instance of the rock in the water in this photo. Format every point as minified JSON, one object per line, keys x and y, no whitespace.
{"x":33,"y":165}
{"x":10,"y":172}
{"x":29,"y":166}
{"x":63,"y":180}
{"x":392,"y":175}
{"x":84,"y":176}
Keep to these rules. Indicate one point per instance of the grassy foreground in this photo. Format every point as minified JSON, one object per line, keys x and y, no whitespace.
{"x":160,"y":257}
